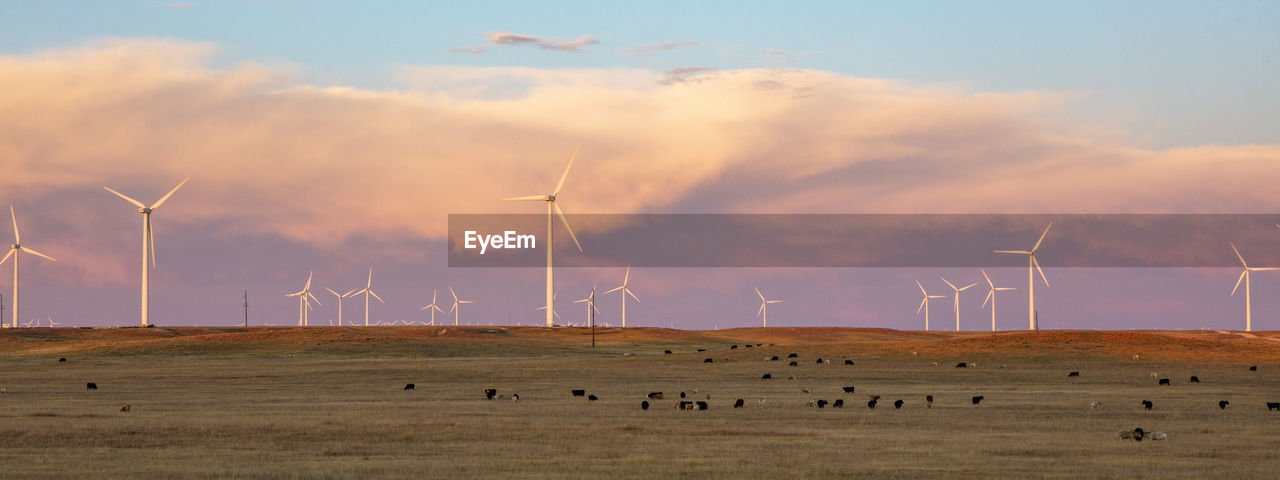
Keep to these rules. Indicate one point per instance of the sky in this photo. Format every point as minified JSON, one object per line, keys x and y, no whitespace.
{"x":336,"y":137}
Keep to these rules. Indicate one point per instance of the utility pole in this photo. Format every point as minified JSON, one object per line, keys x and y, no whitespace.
{"x":592,"y":310}
{"x":246,"y":309}
{"x":1,"y":308}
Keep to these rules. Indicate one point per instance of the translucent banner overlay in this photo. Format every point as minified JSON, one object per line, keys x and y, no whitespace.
{"x":865,"y":240}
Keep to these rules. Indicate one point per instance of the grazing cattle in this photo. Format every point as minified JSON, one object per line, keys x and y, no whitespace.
{"x":928,"y":401}
{"x":759,"y":344}
{"x":1273,"y":406}
{"x":812,"y":403}
{"x":839,"y":403}
{"x":734,"y":347}
{"x":871,"y":404}
{"x":1126,"y":435}
{"x":684,"y":406}
{"x":489,"y":393}
{"x":1164,"y":381}
{"x":644,"y":405}
{"x":749,"y":345}
{"x":977,"y":399}
{"x":793,"y":364}
{"x":934,"y":364}
{"x":702,"y":349}
{"x":791,"y":377}
{"x":592,"y":398}
{"x":1158,"y":436}
{"x":515,"y":397}
{"x":1147,"y":404}
{"x":682,"y":395}
{"x":874,"y":397}
{"x":707,"y":360}
{"x":62,"y":359}
{"x":579,"y":393}
{"x":667,"y":352}
{"x":819,"y":361}
{"x":1195,"y":379}
{"x":739,"y":403}
{"x":767,"y":376}
{"x":962,"y":365}
{"x":655,"y":395}
{"x":1135,"y":357}
{"x":897,"y":404}
{"x":774,"y":358}
{"x":792,"y":355}
{"x":1253,"y":368}
{"x":91,"y":386}
{"x":848,"y":389}
{"x":1153,"y":374}
{"x":700,"y":405}
{"x":1073,"y":374}
{"x":822,"y":403}
{"x":848,"y":362}
{"x":1095,"y":405}
{"x":1223,"y":404}
{"x":762,"y":401}
{"x":126,"y":408}
{"x":1138,"y":434}
{"x":408,"y":386}
{"x":805,"y":391}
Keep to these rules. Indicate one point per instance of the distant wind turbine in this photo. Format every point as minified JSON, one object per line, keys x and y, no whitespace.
{"x":625,"y":291}
{"x":991,"y":296}
{"x":556,"y":314}
{"x":552,"y":206}
{"x":433,"y":307}
{"x":367,"y":291}
{"x":924,"y":304}
{"x":956,"y":306}
{"x":16,"y":253}
{"x":590,"y":300}
{"x":148,"y":241}
{"x":304,"y":301}
{"x":340,"y":297}
{"x":52,"y":323}
{"x":454,"y":309}
{"x":1031,"y":283}
{"x":1244,"y":276}
{"x":763,"y":313}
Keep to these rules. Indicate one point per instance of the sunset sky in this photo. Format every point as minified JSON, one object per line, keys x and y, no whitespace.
{"x":338,"y":136}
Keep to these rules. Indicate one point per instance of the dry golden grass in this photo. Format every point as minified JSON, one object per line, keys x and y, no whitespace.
{"x":328,"y":403}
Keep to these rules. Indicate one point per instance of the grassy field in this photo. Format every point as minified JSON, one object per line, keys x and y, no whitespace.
{"x":329,"y":403}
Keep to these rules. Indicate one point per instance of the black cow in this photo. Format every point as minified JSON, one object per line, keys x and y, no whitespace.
{"x":408,"y":386}
{"x":702,"y":349}
{"x":700,"y":405}
{"x":515,"y":397}
{"x":592,"y":398}
{"x":1273,"y":406}
{"x":791,"y":355}
{"x":848,"y":362}
{"x":681,"y":394}
{"x":1195,"y":379}
{"x":871,"y":404}
{"x":644,"y":405}
{"x":766,"y":376}
{"x":839,"y":403}
{"x":579,"y":393}
{"x":733,"y":347}
{"x":1253,"y":368}
{"x":91,"y":386}
{"x":684,"y":406}
{"x":977,"y":399}
{"x":1164,"y":381}
{"x":897,"y":404}
{"x":962,"y":365}
{"x":928,"y":401}
{"x":819,"y":360}
{"x":655,"y":395}
{"x":489,"y":393}
{"x":793,"y":364}
{"x":708,"y":361}
{"x":848,"y":389}
{"x":62,"y":359}
{"x":822,"y":403}
{"x":1073,"y":374}
{"x":1147,"y":404}
{"x":749,"y":345}
{"x":738,"y":404}
{"x":759,"y":344}
{"x":1223,"y":404}
{"x":773,"y":358}
{"x":668,"y":352}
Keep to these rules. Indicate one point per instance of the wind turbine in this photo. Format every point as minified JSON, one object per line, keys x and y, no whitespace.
{"x":553,"y":206}
{"x":625,"y":291}
{"x":304,"y":301}
{"x":148,"y":241}
{"x":924,"y":304}
{"x":1031,"y":284}
{"x":368,"y":290}
{"x":764,"y":309}
{"x":433,"y":307}
{"x":16,"y":252}
{"x":340,"y":297}
{"x":556,"y":314}
{"x":956,"y":307}
{"x":991,"y":296}
{"x":1248,"y":301}
{"x":456,"y":302}
{"x":590,"y":300}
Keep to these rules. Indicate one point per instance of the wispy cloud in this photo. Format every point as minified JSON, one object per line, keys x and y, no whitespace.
{"x":683,"y":74}
{"x":506,"y":38}
{"x":647,"y":50}
{"x":179,"y":5}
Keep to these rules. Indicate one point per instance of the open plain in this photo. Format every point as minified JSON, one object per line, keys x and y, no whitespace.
{"x":329,"y":402}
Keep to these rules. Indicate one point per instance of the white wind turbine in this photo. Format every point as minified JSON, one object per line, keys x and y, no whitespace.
{"x":590,"y":300}
{"x":304,"y":301}
{"x":556,"y":314}
{"x":16,"y":253}
{"x":367,"y":291}
{"x":552,"y":206}
{"x":763,"y":313}
{"x":1248,"y":300}
{"x":1031,"y":284}
{"x":148,"y":241}
{"x":454,"y":309}
{"x":956,"y":306}
{"x":340,"y":297}
{"x":924,"y":304}
{"x":433,"y":307}
{"x":991,"y":296}
{"x":625,"y":291}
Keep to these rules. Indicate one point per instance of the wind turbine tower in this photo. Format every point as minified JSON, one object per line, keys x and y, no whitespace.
{"x":304,"y":301}
{"x":991,"y":297}
{"x":956,"y":306}
{"x":625,"y":291}
{"x":367,"y":291}
{"x":924,"y":304}
{"x":1244,"y":276}
{"x":16,"y":252}
{"x":553,"y":207}
{"x":148,"y":242}
{"x":763,"y":313}
{"x":1031,"y":284}
{"x":433,"y":307}
{"x":456,"y":302}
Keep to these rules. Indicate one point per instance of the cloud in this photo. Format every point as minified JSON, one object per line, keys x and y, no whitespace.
{"x":684,"y":74}
{"x":504,"y":38}
{"x":179,"y":5}
{"x":467,"y":50}
{"x":647,"y":50}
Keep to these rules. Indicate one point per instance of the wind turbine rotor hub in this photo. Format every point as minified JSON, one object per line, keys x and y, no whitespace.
{"x":144,"y":210}
{"x":551,"y":198}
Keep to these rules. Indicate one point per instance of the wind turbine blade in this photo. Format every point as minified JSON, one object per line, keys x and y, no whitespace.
{"x":313,"y":297}
{"x":1022,"y":252}
{"x":921,"y":307}
{"x":984,"y":275}
{"x":151,"y":240}
{"x":16,"y":238}
{"x":33,"y":252}
{"x":565,"y":221}
{"x":126,"y":197}
{"x":1241,"y":279}
{"x":761,"y":310}
{"x":626,"y":277}
{"x":1037,"y":264}
{"x":170,"y":194}
{"x":1001,"y":289}
{"x":774,"y":301}
{"x":376,"y":296}
{"x":1256,"y":269}
{"x":917,"y":284}
{"x":566,"y":170}
{"x":967,"y":286}
{"x":632,"y":294}
{"x":948,"y":283}
{"x":580,"y":301}
{"x":10,"y":254}
{"x":348,"y":294}
{"x":1042,"y":235}
{"x":1233,"y":248}
{"x":369,"y":284}
{"x":527,"y":198}
{"x":438,"y":309}
{"x":611,"y":291}
{"x":466,"y":301}
{"x":990,"y":293}
{"x":333,"y":292}
{"x":309,"y":274}
{"x":760,"y":294}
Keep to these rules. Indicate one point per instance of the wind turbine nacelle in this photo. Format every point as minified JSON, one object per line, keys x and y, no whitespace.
{"x":144,"y":210}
